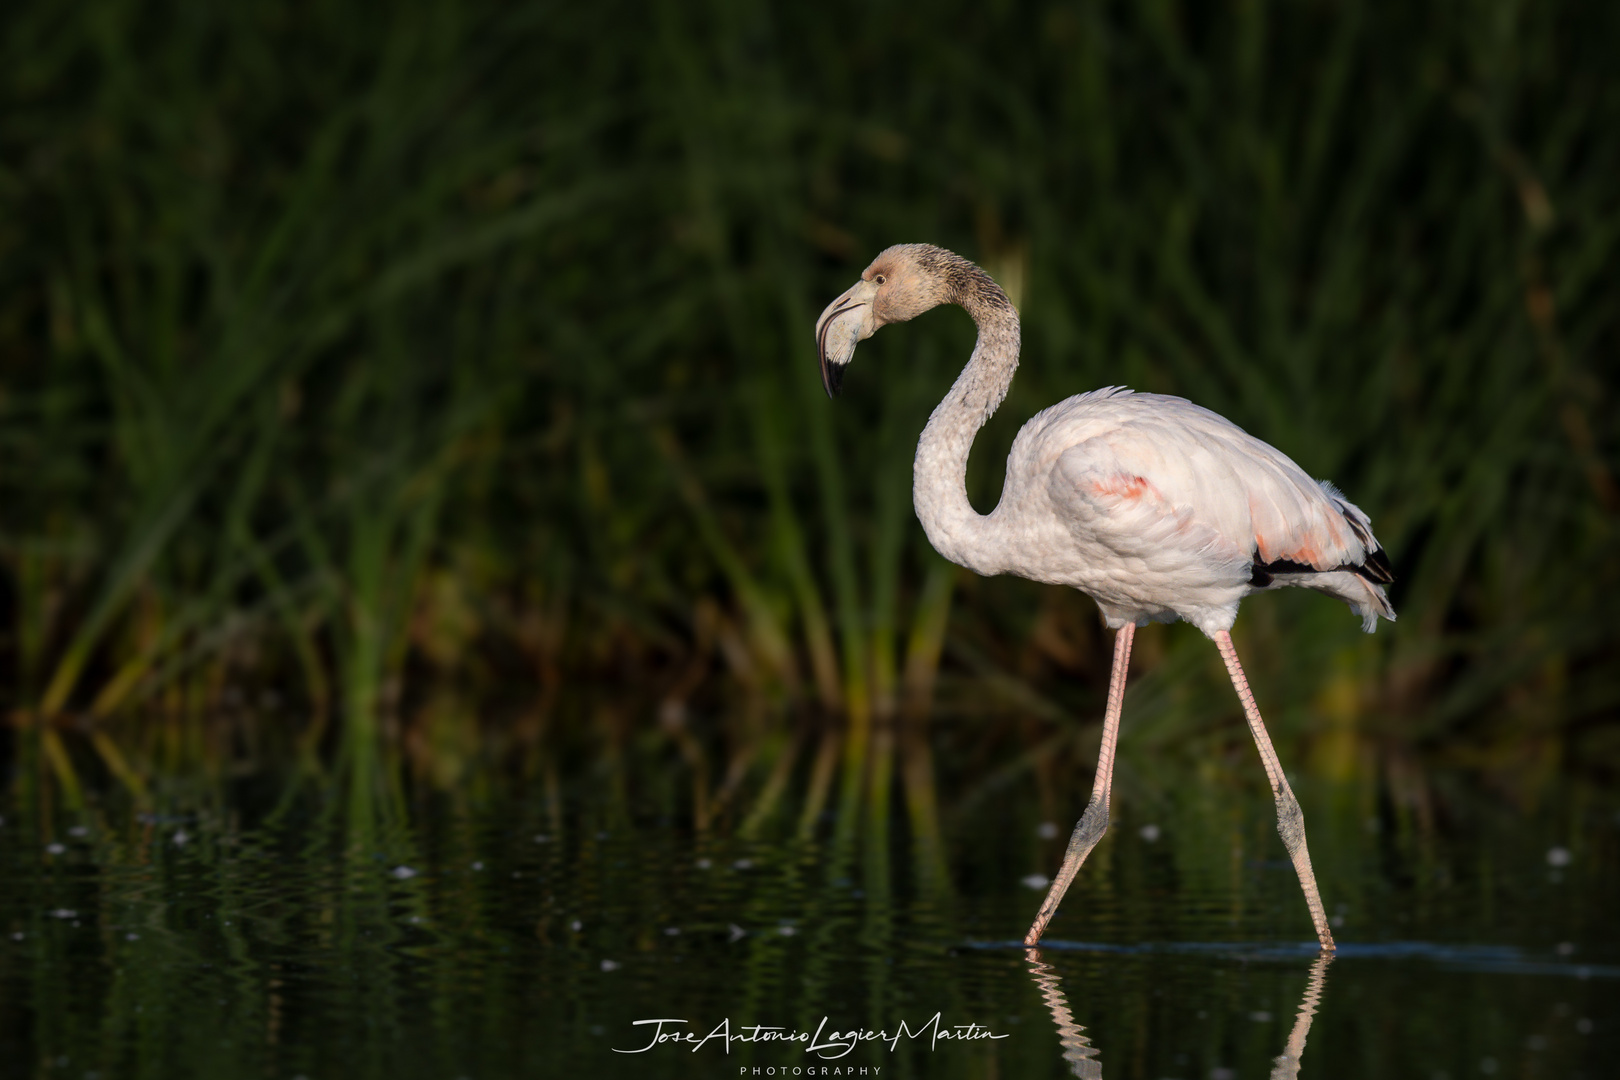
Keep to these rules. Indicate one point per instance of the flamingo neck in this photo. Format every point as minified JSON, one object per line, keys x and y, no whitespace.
{"x":939,"y":474}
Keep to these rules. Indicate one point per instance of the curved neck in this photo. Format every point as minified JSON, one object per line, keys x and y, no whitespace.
{"x":939,"y":473}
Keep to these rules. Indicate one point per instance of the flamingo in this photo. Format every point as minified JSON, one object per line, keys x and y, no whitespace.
{"x":1156,"y":508}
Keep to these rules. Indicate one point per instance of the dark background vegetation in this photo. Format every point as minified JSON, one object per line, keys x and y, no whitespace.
{"x":444,"y":375}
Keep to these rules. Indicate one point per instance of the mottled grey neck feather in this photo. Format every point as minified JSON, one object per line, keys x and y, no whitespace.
{"x":939,"y":474}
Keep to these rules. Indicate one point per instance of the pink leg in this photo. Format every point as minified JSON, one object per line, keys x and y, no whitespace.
{"x":1094,"y":822}
{"x":1290,"y":820}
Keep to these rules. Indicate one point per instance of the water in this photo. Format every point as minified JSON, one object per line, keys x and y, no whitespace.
{"x":531,"y":922}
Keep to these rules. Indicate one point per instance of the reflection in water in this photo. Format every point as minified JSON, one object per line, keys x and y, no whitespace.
{"x":1287,"y":1063}
{"x":1083,"y":1058}
{"x":1077,"y":1049}
{"x":336,"y":916}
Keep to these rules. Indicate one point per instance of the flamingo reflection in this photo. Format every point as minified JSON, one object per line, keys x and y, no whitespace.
{"x":1077,"y":1049}
{"x":1085,"y":1061}
{"x":1285,"y":1066}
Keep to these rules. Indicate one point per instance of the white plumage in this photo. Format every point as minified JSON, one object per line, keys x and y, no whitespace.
{"x":1159,"y":509}
{"x":1155,"y":507}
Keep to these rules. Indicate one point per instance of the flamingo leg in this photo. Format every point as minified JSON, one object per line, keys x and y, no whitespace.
{"x":1094,"y":821}
{"x":1290,"y":820}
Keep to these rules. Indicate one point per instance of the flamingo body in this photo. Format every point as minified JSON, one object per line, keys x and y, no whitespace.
{"x":1159,"y":509}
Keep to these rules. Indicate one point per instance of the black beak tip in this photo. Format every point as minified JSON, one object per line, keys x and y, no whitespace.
{"x":832,"y":378}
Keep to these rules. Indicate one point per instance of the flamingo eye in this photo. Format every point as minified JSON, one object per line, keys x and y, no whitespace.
{"x":878,"y":280}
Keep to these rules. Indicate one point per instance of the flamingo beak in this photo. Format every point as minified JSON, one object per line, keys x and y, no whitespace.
{"x":847,"y":321}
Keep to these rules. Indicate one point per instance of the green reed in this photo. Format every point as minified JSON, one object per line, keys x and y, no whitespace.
{"x":355,"y":357}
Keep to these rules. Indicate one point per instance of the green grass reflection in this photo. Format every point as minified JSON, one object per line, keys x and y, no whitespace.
{"x":257,"y":918}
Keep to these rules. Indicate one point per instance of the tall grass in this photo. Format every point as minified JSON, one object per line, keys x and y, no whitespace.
{"x":348,"y":356}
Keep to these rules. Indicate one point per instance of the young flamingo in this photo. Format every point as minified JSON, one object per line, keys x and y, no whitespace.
{"x":1154,"y":507}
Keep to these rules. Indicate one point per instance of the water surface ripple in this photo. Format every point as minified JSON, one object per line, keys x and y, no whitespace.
{"x":523,"y":934}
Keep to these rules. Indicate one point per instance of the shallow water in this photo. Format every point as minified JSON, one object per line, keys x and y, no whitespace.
{"x":278,"y":926}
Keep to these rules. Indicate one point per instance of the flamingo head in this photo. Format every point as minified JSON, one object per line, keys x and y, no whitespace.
{"x":903,"y":282}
